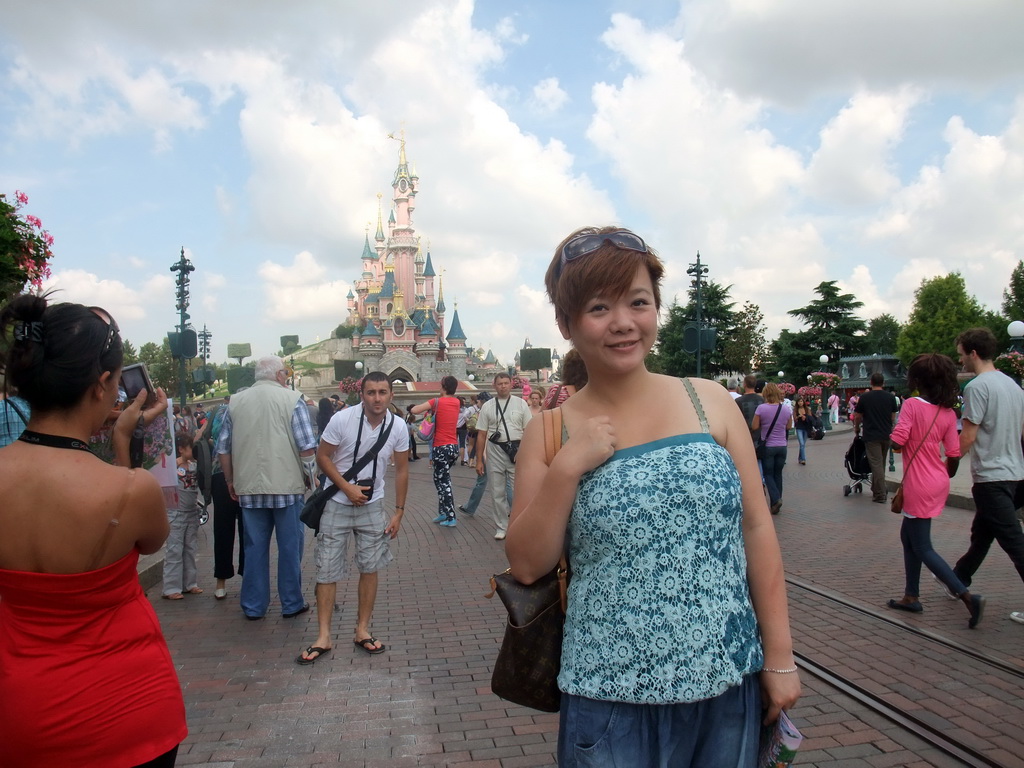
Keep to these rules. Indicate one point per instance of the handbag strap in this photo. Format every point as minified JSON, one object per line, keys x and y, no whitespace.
{"x":920,"y":445}
{"x":552,"y":421}
{"x":772,"y":425}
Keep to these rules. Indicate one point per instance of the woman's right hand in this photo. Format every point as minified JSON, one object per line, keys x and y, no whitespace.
{"x":591,"y":444}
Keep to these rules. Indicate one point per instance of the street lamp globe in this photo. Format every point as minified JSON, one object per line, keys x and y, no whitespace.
{"x":472,"y":377}
{"x":809,"y":377}
{"x":359,"y":365}
{"x":1015,"y":329}
{"x":823,"y":359}
{"x":781,"y":374}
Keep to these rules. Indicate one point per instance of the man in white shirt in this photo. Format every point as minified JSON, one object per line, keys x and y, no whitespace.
{"x":500,"y":426}
{"x":356,"y":511}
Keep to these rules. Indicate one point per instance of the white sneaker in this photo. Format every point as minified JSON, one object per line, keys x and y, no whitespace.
{"x":1017,"y":616}
{"x":499,"y":535}
{"x":949,"y":595}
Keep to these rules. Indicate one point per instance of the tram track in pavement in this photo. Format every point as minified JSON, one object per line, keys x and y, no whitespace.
{"x":920,"y":723}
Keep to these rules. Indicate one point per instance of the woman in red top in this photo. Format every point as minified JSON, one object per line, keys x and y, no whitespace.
{"x":446,"y":447}
{"x":86,"y":679}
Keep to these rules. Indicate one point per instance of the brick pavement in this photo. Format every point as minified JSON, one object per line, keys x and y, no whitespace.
{"x":427,"y":702}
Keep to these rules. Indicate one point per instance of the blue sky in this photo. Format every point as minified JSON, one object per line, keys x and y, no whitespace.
{"x":790,"y":142}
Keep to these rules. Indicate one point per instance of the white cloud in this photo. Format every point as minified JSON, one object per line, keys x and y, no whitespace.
{"x":548,"y":96}
{"x":791,"y":51}
{"x":299,"y":292}
{"x":125,"y":304}
{"x":789,"y":142}
{"x":853,"y":165}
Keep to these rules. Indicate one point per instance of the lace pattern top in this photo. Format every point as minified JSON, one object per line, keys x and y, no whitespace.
{"x":659,"y":606}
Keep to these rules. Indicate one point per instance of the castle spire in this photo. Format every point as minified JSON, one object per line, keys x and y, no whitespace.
{"x":379,"y":237}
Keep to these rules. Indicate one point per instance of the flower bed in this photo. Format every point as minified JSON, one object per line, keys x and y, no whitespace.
{"x":825,"y":379}
{"x":1011,"y":363}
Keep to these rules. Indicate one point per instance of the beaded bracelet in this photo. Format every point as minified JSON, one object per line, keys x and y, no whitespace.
{"x":779,"y":671}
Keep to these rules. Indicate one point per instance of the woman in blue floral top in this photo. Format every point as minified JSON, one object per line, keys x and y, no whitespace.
{"x":677,"y":644}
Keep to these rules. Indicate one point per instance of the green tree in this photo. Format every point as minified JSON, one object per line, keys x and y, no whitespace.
{"x":1013,"y":295}
{"x":747,"y":349}
{"x":716,"y":312}
{"x":791,"y":354}
{"x":942,"y":309}
{"x":344,"y":331}
{"x":131,"y":355}
{"x":289,"y":345}
{"x":163,"y":369}
{"x":882,"y":335}
{"x":668,"y":356}
{"x":832,"y":327}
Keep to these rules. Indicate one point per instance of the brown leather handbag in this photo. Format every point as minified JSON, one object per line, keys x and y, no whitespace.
{"x":528,"y":663}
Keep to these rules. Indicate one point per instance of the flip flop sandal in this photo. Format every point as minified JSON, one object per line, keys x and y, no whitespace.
{"x":320,"y":653}
{"x":175,"y":596}
{"x":361,"y":644}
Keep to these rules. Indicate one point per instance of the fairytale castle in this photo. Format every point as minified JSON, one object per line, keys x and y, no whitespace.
{"x":399,"y":325}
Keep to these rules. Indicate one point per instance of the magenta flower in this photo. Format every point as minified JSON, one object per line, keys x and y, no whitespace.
{"x":34,"y":221}
{"x":21,"y":197}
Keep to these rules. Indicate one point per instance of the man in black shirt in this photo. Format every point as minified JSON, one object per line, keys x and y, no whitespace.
{"x":749,"y":401}
{"x":876,"y":412}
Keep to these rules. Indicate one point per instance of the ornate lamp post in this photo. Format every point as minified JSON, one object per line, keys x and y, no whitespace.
{"x":1016,"y":331}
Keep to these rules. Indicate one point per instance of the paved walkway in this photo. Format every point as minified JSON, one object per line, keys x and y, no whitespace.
{"x":427,"y":701}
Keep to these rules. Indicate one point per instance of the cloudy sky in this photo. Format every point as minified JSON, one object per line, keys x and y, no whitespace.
{"x":789,"y":142}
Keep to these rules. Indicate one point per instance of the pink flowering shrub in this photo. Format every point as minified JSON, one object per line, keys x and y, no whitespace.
{"x":348,"y":385}
{"x":825,"y":379}
{"x":24,"y":247}
{"x":1011,"y":363}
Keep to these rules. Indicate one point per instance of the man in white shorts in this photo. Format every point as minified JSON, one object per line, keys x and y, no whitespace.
{"x":356,"y":512}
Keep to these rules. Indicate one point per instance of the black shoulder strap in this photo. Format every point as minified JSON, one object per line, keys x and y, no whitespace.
{"x":370,"y":454}
{"x":772,"y":426}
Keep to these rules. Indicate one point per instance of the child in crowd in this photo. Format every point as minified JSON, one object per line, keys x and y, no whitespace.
{"x":180,"y":557}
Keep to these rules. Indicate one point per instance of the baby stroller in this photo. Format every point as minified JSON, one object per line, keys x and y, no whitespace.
{"x":857,"y":466}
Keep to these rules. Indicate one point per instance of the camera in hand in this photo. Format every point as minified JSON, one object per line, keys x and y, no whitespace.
{"x":135,"y":378}
{"x":367,"y":486}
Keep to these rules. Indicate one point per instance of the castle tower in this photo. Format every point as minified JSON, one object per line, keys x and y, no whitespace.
{"x":457,"y":347}
{"x":395,"y":296}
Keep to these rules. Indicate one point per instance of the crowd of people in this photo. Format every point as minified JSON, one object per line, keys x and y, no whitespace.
{"x":625,"y":501}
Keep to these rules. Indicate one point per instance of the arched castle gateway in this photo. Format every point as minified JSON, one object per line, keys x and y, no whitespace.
{"x":399,"y":325}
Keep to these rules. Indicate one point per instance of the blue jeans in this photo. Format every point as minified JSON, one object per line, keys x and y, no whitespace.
{"x":994,"y":520}
{"x":916,"y":535}
{"x":477,"y":494}
{"x":801,"y":438}
{"x":721,"y":732}
{"x":773,"y":462}
{"x":284,"y":522}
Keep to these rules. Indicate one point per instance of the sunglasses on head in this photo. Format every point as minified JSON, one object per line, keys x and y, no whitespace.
{"x":112,"y":328}
{"x":584,"y":245}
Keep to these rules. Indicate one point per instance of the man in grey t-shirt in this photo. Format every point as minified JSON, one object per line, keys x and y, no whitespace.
{"x":993,"y":427}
